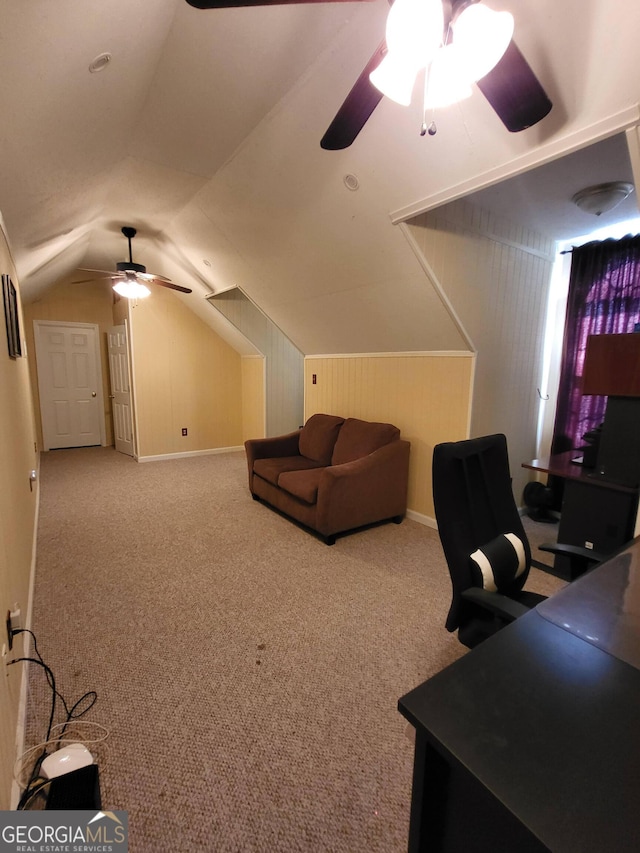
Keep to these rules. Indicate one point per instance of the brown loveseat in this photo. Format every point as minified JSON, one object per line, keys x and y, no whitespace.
{"x":333,"y":474}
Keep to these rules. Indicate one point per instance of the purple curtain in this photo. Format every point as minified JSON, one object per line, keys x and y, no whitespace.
{"x":604,"y":298}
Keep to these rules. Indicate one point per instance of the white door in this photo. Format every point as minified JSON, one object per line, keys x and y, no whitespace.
{"x":70,"y":384}
{"x":120,"y":389}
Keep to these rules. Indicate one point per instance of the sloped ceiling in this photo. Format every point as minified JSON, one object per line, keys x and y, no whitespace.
{"x":203,"y":133}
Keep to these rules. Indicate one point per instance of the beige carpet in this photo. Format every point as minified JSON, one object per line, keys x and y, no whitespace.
{"x":248,"y":673}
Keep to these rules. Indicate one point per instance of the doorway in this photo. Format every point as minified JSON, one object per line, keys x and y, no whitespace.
{"x":69,"y":384}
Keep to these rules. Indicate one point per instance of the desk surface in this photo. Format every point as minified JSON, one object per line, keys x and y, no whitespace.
{"x":548,"y":723}
{"x":603,"y":607}
{"x":562,"y":465}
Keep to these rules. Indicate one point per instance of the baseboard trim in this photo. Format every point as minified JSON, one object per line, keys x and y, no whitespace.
{"x":209,"y":452}
{"x":26,"y":648}
{"x":422,"y":519}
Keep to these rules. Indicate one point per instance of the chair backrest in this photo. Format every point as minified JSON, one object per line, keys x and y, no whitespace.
{"x":474,"y":504}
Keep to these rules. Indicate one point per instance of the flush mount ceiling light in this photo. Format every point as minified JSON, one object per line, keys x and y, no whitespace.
{"x":601,"y":198}
{"x":457,"y":43}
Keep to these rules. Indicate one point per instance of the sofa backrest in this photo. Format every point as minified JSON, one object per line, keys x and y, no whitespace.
{"x":360,"y":438}
{"x":318,"y":437}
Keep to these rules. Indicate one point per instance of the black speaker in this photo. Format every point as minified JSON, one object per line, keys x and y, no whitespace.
{"x":79,"y":789}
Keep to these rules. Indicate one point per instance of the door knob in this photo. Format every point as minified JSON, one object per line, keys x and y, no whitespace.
{"x":93,"y":393}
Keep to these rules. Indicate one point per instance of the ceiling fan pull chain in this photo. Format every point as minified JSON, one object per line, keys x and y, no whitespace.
{"x":429,"y":128}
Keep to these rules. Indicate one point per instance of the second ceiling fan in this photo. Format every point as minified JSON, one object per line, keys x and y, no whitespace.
{"x":510,"y":86}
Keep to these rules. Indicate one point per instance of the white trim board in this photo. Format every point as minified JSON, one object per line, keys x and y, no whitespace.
{"x":422,"y":519}
{"x":617,"y":123}
{"x":183,"y":455}
{"x":26,"y":648}
{"x":426,"y":354}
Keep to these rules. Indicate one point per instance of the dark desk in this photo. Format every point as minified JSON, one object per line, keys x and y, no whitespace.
{"x":531,"y":742}
{"x":596,"y":512}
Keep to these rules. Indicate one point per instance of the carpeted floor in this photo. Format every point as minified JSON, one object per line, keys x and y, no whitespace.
{"x":248,"y":674}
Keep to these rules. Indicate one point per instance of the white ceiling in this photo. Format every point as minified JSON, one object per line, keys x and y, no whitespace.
{"x":203,"y":133}
{"x":541,"y":198}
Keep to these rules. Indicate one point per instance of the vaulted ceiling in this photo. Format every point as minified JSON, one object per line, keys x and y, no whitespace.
{"x":203,"y":133}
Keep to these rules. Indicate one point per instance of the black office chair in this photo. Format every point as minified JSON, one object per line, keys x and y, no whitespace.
{"x":483,"y":539}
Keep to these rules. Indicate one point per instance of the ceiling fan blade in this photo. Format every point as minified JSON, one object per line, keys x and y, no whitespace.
{"x":514,"y":91}
{"x":230,"y":4}
{"x":356,"y":109}
{"x":150,"y":276}
{"x":168,"y":284}
{"x":102,"y":272}
{"x":90,"y":280}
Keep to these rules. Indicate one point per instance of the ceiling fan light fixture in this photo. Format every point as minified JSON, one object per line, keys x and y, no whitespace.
{"x":446,"y":82}
{"x":395,"y":79}
{"x":131,"y":289}
{"x":601,"y":198}
{"x":483,"y":35}
{"x":414,"y":30}
{"x":413,"y":36}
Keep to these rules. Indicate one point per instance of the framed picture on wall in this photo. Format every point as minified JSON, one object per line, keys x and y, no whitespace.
{"x":10,"y":300}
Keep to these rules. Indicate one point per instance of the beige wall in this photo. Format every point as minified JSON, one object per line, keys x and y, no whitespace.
{"x":185,"y":376}
{"x":426,"y":395}
{"x":496,"y":275}
{"x":91,"y":302}
{"x":18,"y":506}
{"x":253,"y":397}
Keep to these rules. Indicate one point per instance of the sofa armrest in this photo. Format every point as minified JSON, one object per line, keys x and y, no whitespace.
{"x":365,"y":490}
{"x":270,"y":448}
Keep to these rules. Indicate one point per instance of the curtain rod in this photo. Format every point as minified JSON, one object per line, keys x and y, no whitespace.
{"x":573,"y":248}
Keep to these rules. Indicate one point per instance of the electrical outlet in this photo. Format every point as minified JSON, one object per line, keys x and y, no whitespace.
{"x":184,"y":430}
{"x":13,"y":624}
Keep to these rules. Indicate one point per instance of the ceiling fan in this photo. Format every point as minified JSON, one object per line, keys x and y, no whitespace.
{"x":510,"y":87}
{"x":131,"y":279}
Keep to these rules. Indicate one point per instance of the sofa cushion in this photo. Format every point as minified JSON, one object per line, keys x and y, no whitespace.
{"x":271,"y":469}
{"x":360,"y":438}
{"x":318,"y":437}
{"x":302,"y":484}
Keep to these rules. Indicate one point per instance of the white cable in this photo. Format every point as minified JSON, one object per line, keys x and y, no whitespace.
{"x":19,"y":766}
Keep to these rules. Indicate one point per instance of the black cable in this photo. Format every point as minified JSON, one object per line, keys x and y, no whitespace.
{"x":91,"y":696}
{"x":71,"y":714}
{"x":26,"y":794}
